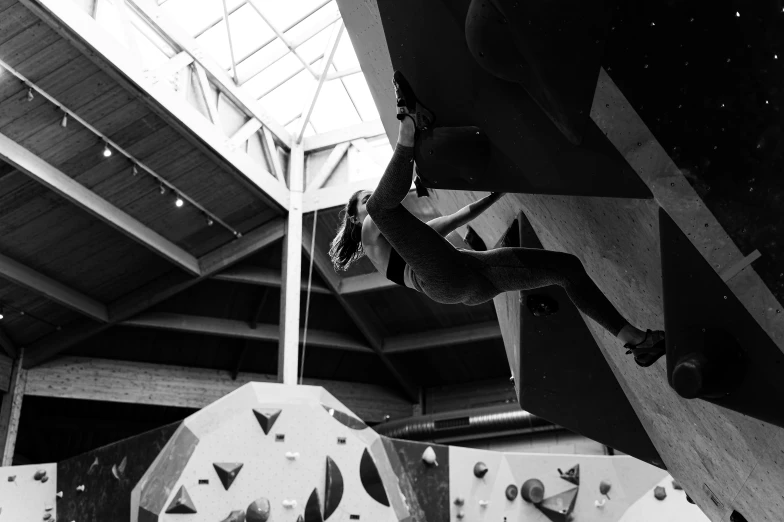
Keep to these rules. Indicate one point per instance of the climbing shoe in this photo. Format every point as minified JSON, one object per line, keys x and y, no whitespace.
{"x":408,"y":105}
{"x":649,"y":350}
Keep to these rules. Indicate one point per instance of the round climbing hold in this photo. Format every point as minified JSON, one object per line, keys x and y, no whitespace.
{"x":659,"y":493}
{"x":429,"y":457}
{"x":258,"y":511}
{"x":511,"y":492}
{"x":39,"y":474}
{"x":460,"y":514}
{"x":480,"y":469}
{"x":459,"y":501}
{"x":532,"y":491}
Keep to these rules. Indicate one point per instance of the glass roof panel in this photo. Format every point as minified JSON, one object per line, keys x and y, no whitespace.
{"x":266,"y":68}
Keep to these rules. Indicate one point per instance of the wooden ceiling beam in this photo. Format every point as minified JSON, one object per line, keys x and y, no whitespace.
{"x":325,"y":140}
{"x":260,"y":276}
{"x":178,"y":38}
{"x":442,"y":337}
{"x":62,"y":184}
{"x":335,"y":196}
{"x":153,"y":293}
{"x":7,"y":344}
{"x":323,"y":266}
{"x":108,"y":53}
{"x":159,"y":385}
{"x":239,"y":330}
{"x":51,"y":289}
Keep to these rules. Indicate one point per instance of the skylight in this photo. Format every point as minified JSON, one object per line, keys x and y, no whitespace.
{"x":264,"y":65}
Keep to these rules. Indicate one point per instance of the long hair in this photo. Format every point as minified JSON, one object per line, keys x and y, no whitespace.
{"x":346,"y":248}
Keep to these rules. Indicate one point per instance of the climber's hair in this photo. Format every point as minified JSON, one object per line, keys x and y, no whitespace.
{"x":346,"y":248}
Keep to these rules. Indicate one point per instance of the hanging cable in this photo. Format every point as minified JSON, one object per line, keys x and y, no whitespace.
{"x":307,"y":298}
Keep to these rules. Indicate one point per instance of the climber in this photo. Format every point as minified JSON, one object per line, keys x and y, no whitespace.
{"x":417,"y":255}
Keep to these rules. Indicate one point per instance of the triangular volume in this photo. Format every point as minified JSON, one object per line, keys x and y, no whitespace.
{"x":266,"y":418}
{"x":227,"y":472}
{"x":181,"y":503}
{"x":558,"y":507}
{"x":345,"y":419}
{"x":333,"y":491}
{"x":313,"y":508}
{"x":571,"y":475}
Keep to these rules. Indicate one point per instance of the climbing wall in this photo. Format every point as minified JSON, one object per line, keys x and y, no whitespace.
{"x":271,"y":452}
{"x":28,"y":493}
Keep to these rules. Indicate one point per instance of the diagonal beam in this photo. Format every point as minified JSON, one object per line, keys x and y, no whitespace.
{"x":88,"y":36}
{"x":324,"y":268}
{"x":260,"y":276}
{"x":51,"y":289}
{"x":178,"y":38}
{"x":282,"y":37}
{"x":329,"y":166}
{"x":332,"y":45}
{"x":155,"y":292}
{"x":442,"y":337}
{"x":175,"y":64}
{"x":49,"y":176}
{"x":239,"y":330}
{"x":325,"y":140}
{"x":11,"y":411}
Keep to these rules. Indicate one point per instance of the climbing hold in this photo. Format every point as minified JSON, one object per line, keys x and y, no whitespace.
{"x":288,"y":504}
{"x":659,"y":493}
{"x":429,"y":456}
{"x":292,"y":455}
{"x":39,"y":474}
{"x":511,"y":492}
{"x":480,"y":469}
{"x":235,"y":516}
{"x":604,"y":487}
{"x":541,"y":305}
{"x":689,"y":500}
{"x":266,"y":418}
{"x":11,"y":478}
{"x":371,"y":480}
{"x":532,"y":491}
{"x":483,"y":503}
{"x":47,"y":516}
{"x":119,"y":471}
{"x":600,"y":503}
{"x":227,"y":472}
{"x":572,"y":474}
{"x":345,"y":419}
{"x":737,"y":517}
{"x":313,"y":508}
{"x":333,"y":491}
{"x":460,"y":514}
{"x":676,"y":485}
{"x":80,"y":488}
{"x":45,"y":478}
{"x":181,"y":503}
{"x":459,"y":501}
{"x":712,"y":366}
{"x":300,"y":519}
{"x":59,"y":494}
{"x":258,"y":511}
{"x":559,"y":507}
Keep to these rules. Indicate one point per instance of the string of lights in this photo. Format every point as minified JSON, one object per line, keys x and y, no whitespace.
{"x":110,"y":147}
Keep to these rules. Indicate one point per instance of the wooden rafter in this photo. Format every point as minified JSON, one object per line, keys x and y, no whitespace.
{"x":239,"y":330}
{"x":152,"y":384}
{"x":443,"y":337}
{"x":324,"y":268}
{"x":59,"y":182}
{"x":155,"y":292}
{"x":260,"y":276}
{"x":51,"y":289}
{"x":88,"y":36}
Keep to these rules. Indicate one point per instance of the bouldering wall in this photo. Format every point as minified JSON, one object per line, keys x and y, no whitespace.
{"x":28,"y":493}
{"x":725,"y":460}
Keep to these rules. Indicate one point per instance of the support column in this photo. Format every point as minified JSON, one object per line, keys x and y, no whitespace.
{"x":11,"y":410}
{"x":288,"y":349}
